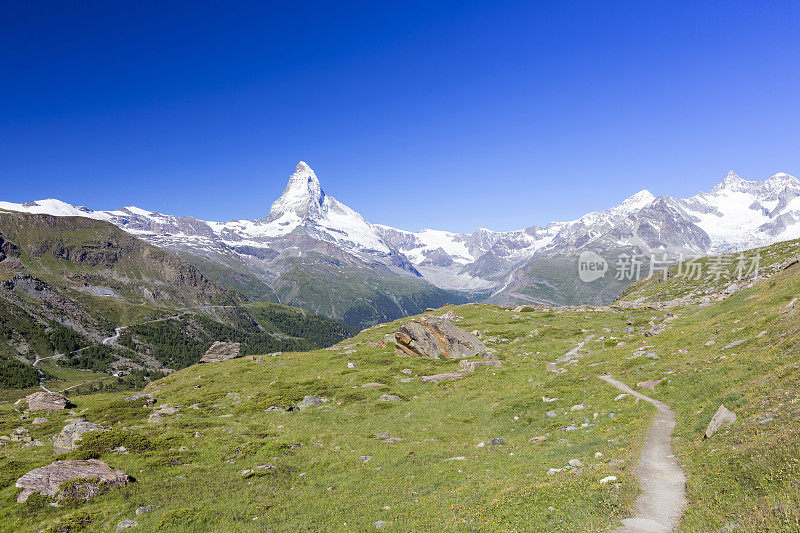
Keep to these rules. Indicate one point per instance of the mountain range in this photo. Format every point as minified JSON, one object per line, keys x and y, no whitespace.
{"x":312,"y":251}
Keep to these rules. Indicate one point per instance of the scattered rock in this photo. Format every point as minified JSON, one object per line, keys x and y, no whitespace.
{"x":365,"y":458}
{"x":127,"y":524}
{"x":310,"y":401}
{"x":221,"y":351}
{"x":723,"y":417}
{"x":144,"y":509}
{"x":379,"y":524}
{"x":575,"y":463}
{"x":621,"y":396}
{"x":471,"y":366}
{"x":39,"y":421}
{"x":460,"y":458}
{"x":481,"y":444}
{"x":351,"y":365}
{"x":496,"y":441}
{"x":390,"y":398}
{"x":46,"y":401}
{"x":710,"y":343}
{"x":608,"y":479}
{"x":433,"y":337}
{"x":649,"y":385}
{"x":550,"y":414}
{"x":732,"y":344}
{"x":540,"y":438}
{"x":141,"y":396}
{"x":67,"y":439}
{"x":47,"y":479}
{"x":578,"y":407}
{"x":441,"y":377}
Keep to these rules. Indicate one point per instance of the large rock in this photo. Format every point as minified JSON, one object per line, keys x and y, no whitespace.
{"x":66,"y":441}
{"x":723,"y":417}
{"x":433,"y":337}
{"x":310,"y":401}
{"x":47,"y":479}
{"x":46,"y":401}
{"x":221,"y":351}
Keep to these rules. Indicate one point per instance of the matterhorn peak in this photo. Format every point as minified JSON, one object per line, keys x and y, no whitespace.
{"x":303,"y":196}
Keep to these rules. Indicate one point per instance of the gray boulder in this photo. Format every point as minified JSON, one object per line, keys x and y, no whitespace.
{"x":310,"y":401}
{"x":47,"y":479}
{"x":433,"y":337}
{"x":722,"y":418}
{"x":67,"y":440}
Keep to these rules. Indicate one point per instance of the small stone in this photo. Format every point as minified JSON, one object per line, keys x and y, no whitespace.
{"x":710,"y":343}
{"x":620,"y":397}
{"x":390,"y":398}
{"x":578,"y":407}
{"x":310,"y":401}
{"x":649,"y":385}
{"x":540,"y":438}
{"x":365,"y":458}
{"x":380,"y":523}
{"x":39,"y":421}
{"x":351,"y":365}
{"x":575,"y":463}
{"x":607,"y":480}
{"x":144,"y":509}
{"x":127,"y":524}
{"x":246,"y":472}
{"x":495,"y":441}
{"x":598,"y":455}
{"x":481,"y":444}
{"x":551,"y":414}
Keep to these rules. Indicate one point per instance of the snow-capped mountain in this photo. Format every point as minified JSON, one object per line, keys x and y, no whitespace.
{"x":315,"y":252}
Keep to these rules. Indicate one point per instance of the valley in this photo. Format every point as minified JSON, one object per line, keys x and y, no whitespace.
{"x":356,"y":437}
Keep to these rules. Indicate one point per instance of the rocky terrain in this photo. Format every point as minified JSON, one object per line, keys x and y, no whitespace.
{"x":463,"y":418}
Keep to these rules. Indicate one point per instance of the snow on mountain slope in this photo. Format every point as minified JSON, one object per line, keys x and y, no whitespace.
{"x":734,"y":215}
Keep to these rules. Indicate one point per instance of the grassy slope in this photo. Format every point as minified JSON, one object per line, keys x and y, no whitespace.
{"x":747,"y":474}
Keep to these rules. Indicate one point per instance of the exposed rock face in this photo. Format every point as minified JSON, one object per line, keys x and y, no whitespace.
{"x":433,"y":337}
{"x":221,"y":351}
{"x":47,"y":479}
{"x":723,"y":417}
{"x":46,"y":401}
{"x":66,"y":441}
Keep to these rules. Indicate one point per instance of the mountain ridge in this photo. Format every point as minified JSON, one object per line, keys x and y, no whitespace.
{"x":506,"y":266}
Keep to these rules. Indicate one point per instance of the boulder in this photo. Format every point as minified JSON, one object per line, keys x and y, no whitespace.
{"x":310,"y":401}
{"x":221,"y":351}
{"x":390,"y":398}
{"x":723,"y":417}
{"x":46,"y":401}
{"x":141,"y":396}
{"x":649,"y":385}
{"x":47,"y":480}
{"x":67,"y":440}
{"x":433,"y":337}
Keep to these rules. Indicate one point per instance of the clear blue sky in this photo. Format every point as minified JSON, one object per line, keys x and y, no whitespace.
{"x":451,"y":115}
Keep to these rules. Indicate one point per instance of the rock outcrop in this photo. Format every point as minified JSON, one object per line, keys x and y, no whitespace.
{"x":46,"y":401}
{"x":92,"y":477}
{"x":221,"y":351}
{"x":433,"y":337}
{"x":67,"y":440}
{"x":723,"y":417}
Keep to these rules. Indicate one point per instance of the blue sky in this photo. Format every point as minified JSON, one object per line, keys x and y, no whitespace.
{"x":451,"y":115}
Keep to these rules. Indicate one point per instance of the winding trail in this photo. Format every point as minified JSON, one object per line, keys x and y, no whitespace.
{"x":660,"y":505}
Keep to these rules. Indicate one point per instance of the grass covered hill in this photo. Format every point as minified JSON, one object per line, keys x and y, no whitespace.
{"x":519,"y":447}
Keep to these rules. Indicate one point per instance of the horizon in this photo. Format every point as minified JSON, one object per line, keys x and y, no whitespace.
{"x":199,"y":111}
{"x":420,"y":229}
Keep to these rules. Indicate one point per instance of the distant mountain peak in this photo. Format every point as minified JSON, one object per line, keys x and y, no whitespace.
{"x":781,"y":181}
{"x":302,"y":197}
{"x":731,"y":183}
